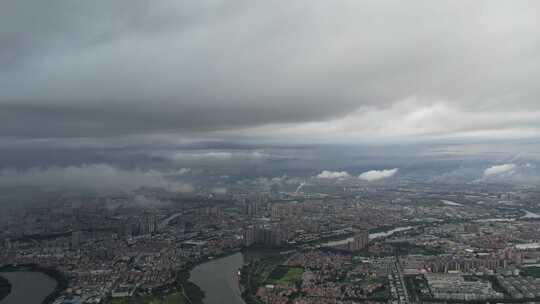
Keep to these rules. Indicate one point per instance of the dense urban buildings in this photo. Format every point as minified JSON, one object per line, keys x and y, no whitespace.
{"x":403,"y":243}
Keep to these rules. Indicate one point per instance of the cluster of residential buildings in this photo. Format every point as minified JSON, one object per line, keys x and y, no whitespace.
{"x":112,"y":247}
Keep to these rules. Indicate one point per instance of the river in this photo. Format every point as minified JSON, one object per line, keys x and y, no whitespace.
{"x":372,"y":236}
{"x":530,"y":215}
{"x":451,"y":203}
{"x":218,"y":279}
{"x":28,"y":287}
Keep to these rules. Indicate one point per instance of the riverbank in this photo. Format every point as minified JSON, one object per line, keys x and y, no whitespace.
{"x":182,"y":290}
{"x":219,"y":278}
{"x":377,"y":233}
{"x":255,"y":273}
{"x":5,"y":288}
{"x":191,"y":292}
{"x":61,"y":280}
{"x":339,"y":237}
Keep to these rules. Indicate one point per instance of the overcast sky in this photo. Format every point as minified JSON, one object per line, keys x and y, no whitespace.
{"x":323,"y":71}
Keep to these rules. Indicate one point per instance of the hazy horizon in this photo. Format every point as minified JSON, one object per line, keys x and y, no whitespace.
{"x":267,"y":89}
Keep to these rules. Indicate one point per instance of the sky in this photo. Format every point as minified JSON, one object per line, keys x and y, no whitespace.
{"x":110,"y":75}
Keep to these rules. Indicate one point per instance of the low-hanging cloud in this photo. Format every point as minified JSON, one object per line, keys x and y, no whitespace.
{"x":101,"y":177}
{"x":219,"y":190}
{"x":221,"y":155}
{"x":333,"y":174}
{"x":499,"y":169}
{"x":183,"y":171}
{"x":374,"y":175}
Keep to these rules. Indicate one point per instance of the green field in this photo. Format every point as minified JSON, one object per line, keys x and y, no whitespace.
{"x":285,"y":276}
{"x":175,"y":298}
{"x":531,"y":271}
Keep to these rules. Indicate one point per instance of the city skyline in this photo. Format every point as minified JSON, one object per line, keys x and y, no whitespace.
{"x":269,"y":152}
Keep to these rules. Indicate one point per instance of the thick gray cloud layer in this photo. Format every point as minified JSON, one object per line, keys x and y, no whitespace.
{"x":346,"y":69}
{"x":93,"y":176}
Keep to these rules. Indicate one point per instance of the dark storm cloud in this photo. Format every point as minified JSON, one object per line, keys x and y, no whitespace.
{"x":53,"y":120}
{"x":360,"y":68}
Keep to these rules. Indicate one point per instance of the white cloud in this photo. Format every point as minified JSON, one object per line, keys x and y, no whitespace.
{"x":220,"y":155}
{"x":416,"y":118}
{"x":219,"y":190}
{"x":374,"y":175}
{"x":183,"y":171}
{"x":101,"y":177}
{"x":145,"y":201}
{"x":499,"y":169}
{"x":333,"y":174}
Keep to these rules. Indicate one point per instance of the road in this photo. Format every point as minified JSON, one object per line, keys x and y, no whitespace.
{"x":398,"y":289}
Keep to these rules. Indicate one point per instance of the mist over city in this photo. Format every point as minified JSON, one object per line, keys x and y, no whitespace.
{"x":250,"y":152}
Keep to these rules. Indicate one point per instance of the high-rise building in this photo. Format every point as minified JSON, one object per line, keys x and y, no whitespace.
{"x":76,"y":238}
{"x":471,"y":228}
{"x":7,"y":244}
{"x":272,"y":237}
{"x":250,"y":207}
{"x":249,"y":236}
{"x":146,"y":224}
{"x":360,"y":241}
